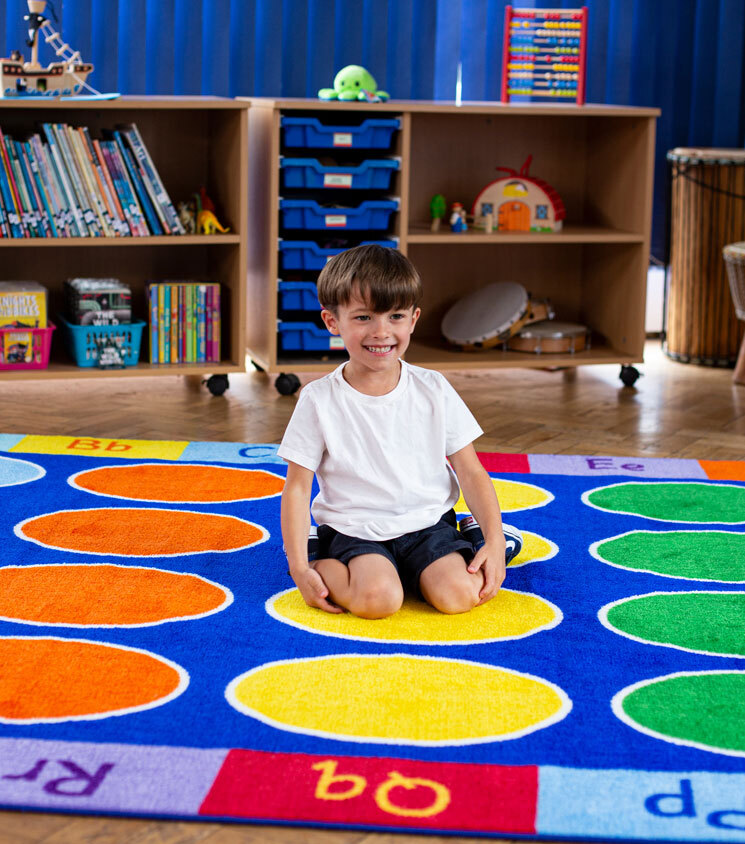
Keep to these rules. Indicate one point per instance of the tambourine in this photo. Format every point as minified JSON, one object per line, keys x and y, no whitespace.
{"x":551,"y":337}
{"x":491,"y":315}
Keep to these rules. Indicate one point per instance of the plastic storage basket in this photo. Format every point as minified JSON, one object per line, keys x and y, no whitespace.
{"x":308,"y":255}
{"x":12,"y":356}
{"x":374,"y":133}
{"x":84,"y":341}
{"x":295,"y":336}
{"x":308,"y":173}
{"x":298,"y":296}
{"x":308,"y":214}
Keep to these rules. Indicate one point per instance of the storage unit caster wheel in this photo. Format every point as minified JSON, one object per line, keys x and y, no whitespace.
{"x":287,"y":383}
{"x":217,"y":384}
{"x":629,"y":375}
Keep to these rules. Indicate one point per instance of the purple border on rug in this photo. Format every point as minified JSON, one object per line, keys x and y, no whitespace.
{"x":638,"y":467}
{"x":81,"y":776}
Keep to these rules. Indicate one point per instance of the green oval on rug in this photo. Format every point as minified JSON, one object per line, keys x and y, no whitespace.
{"x":716,"y":555}
{"x":702,"y":709}
{"x":672,"y":501}
{"x":704,"y":622}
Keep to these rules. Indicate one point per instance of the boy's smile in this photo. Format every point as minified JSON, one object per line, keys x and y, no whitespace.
{"x":374,"y":341}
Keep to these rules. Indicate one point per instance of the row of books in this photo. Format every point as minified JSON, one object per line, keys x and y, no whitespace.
{"x":62,"y":182}
{"x":184,"y":322}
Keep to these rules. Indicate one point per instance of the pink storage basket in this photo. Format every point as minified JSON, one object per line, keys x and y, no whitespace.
{"x":41,"y":355}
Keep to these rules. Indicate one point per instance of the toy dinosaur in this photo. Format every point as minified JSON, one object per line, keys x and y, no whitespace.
{"x":207,"y":222}
{"x":354,"y":83}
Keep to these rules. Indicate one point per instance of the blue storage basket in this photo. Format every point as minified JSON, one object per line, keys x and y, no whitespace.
{"x":82,"y":341}
{"x":375,"y":174}
{"x":308,"y":214}
{"x":374,"y":133}
{"x":305,"y":336}
{"x":308,"y":255}
{"x":299,"y":296}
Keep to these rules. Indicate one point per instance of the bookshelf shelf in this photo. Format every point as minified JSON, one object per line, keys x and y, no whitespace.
{"x":194,"y":142}
{"x":599,"y":158}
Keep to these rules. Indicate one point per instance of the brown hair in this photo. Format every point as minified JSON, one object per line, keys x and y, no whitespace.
{"x":385,"y":278}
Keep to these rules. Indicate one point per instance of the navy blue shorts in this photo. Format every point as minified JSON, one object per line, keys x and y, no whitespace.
{"x":410,"y":553}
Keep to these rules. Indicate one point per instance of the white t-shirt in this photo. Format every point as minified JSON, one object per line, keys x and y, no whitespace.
{"x":380,"y":460}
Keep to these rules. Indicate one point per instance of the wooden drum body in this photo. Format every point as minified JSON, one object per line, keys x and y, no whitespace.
{"x":707,"y":212}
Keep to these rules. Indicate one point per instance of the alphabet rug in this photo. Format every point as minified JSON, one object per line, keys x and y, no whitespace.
{"x":156,"y":659}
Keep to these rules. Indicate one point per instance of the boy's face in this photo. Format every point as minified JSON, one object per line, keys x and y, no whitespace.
{"x":374,"y":341}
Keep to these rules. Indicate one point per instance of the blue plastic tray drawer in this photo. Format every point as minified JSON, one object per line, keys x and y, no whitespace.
{"x":308,"y":214}
{"x":299,"y":296}
{"x":375,"y":174}
{"x":308,"y":255}
{"x":305,"y":336}
{"x":373,"y":133}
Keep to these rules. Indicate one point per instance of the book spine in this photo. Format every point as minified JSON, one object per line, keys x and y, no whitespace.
{"x":141,"y":150}
{"x":216,"y":324}
{"x":189,"y":319}
{"x":167,"y":324}
{"x":208,"y":321}
{"x":49,"y":187}
{"x":128,"y":188}
{"x":40,"y":215}
{"x":174,"y":324}
{"x":41,"y":196}
{"x":82,"y":181}
{"x":94,"y":188}
{"x":112,"y":164}
{"x":79,"y":227}
{"x":182,"y":323}
{"x":89,"y":220}
{"x":135,"y":155}
{"x":18,"y":220}
{"x":134,"y":176}
{"x":201,"y":333}
{"x":118,"y":211}
{"x":14,"y":219}
{"x":152,"y":292}
{"x":161,"y":323}
{"x":27,"y":212}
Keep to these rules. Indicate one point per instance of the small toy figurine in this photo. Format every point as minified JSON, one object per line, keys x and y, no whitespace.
{"x":187,"y":215}
{"x":458,"y":218}
{"x":207,"y":203}
{"x":437,"y":209}
{"x":354,"y":83}
{"x":207,"y":223}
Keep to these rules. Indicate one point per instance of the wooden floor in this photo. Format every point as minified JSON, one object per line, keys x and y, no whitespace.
{"x":675,"y":410}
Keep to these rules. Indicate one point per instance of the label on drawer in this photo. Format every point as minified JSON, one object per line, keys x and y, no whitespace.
{"x":338,"y":220}
{"x":336,"y":343}
{"x":342,"y":139}
{"x":337,"y":180}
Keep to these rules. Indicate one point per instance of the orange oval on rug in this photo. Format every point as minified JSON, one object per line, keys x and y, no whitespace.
{"x":187,"y":483}
{"x":45,"y":679}
{"x":140,"y":532}
{"x":105,"y":595}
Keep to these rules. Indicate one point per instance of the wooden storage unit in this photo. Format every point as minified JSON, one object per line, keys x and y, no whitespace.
{"x":599,"y":158}
{"x":193,"y":141}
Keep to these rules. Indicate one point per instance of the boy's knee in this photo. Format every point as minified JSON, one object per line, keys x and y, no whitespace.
{"x":459,"y":596}
{"x":376,"y":601}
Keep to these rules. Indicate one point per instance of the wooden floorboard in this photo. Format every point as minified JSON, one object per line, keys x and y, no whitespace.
{"x":675,"y":410}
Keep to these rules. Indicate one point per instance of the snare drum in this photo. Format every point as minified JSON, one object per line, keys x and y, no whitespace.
{"x":489,"y":316}
{"x":707,"y":212}
{"x":551,"y":337}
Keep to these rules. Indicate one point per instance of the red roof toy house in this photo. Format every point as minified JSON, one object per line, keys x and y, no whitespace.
{"x":518,"y":203}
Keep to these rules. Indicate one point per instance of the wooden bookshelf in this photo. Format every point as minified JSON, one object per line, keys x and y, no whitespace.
{"x":599,"y":158}
{"x":193,"y":141}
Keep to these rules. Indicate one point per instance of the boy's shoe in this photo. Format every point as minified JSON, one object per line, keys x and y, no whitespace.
{"x":312,"y":543}
{"x":514,"y":542}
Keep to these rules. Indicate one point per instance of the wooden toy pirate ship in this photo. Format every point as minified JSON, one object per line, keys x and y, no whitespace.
{"x":28,"y":78}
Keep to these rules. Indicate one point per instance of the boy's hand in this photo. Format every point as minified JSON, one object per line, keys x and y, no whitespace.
{"x":314,"y":590}
{"x":491,"y":559}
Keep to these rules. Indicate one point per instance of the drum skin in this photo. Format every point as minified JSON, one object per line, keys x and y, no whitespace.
{"x":551,"y":337}
{"x":707,"y":213}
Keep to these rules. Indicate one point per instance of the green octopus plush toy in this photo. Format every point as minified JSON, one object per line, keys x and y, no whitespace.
{"x":354,"y":83}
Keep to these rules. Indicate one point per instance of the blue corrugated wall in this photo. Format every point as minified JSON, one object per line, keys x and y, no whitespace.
{"x":684,"y":56}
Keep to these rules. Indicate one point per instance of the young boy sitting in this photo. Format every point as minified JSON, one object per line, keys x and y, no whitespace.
{"x":376,"y":432}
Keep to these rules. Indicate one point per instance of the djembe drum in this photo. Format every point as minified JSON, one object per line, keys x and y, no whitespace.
{"x":734,"y":259}
{"x":707,"y":212}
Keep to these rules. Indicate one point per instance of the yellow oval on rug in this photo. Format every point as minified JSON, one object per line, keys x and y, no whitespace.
{"x":398,"y":699}
{"x":509,"y":615}
{"x":513,"y":495}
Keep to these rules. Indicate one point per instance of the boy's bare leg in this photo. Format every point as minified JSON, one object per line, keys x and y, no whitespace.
{"x":448,"y":585}
{"x":368,"y":587}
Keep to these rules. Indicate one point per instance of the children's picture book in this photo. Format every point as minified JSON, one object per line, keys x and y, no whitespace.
{"x":23,"y":304}
{"x":185,"y":324}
